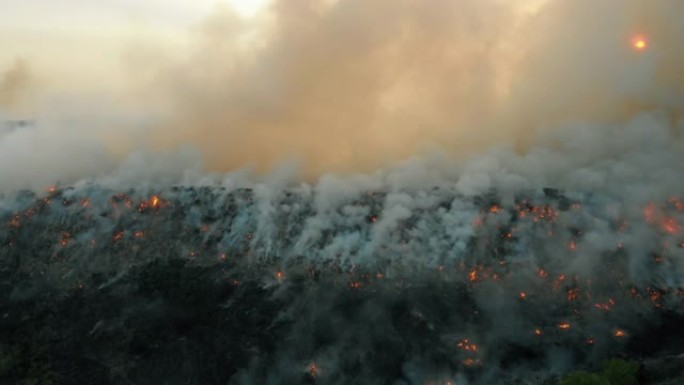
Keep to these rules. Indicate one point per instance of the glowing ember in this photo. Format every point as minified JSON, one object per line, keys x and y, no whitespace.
{"x":280,"y":275}
{"x":313,"y":370}
{"x":620,"y":333}
{"x":538,"y":332}
{"x":559,"y":281}
{"x":118,"y":236}
{"x":564,"y":325}
{"x":670,"y":225}
{"x":656,"y":296}
{"x":605,"y":306}
{"x":542,"y":273}
{"x":356,"y":285}
{"x":472,"y":276}
{"x":523,"y":295}
{"x":65,"y":239}
{"x":677,"y":203}
{"x":590,"y":341}
{"x":467,"y":346}
{"x":15,"y":222}
{"x":155,"y":201}
{"x":573,"y":295}
{"x":650,"y":213}
{"x":471,"y":362}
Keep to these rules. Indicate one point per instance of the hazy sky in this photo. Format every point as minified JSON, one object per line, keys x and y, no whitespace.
{"x":97,"y":32}
{"x":341,"y":85}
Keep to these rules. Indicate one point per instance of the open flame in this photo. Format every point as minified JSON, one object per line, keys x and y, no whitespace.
{"x":467,"y":346}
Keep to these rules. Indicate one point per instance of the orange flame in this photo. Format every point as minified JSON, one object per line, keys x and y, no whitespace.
{"x":606,"y":306}
{"x":670,"y":225}
{"x":471,"y":362}
{"x":467,"y":346}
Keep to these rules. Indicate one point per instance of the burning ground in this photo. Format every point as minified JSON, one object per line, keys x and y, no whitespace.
{"x":315,"y":284}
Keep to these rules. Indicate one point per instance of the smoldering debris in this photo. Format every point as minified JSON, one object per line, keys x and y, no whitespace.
{"x":376,"y":286}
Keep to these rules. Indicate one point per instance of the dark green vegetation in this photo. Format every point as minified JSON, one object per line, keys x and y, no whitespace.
{"x":615,"y":372}
{"x":172,"y":323}
{"x":167,"y":321}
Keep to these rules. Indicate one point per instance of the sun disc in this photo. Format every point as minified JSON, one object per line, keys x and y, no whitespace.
{"x":640,"y":43}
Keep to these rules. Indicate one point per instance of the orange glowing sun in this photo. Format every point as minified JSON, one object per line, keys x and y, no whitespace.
{"x":640,"y":43}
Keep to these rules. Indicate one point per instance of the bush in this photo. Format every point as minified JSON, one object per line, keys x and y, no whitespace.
{"x":615,"y":372}
{"x":620,"y":372}
{"x":583,"y":378}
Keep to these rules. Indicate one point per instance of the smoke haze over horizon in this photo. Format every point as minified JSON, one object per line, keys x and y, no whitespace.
{"x":326,"y":87}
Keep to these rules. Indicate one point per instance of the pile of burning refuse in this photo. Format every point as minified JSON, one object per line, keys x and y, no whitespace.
{"x":424,"y":286}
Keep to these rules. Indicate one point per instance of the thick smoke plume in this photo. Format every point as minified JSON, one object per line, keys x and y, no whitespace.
{"x":351,"y":86}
